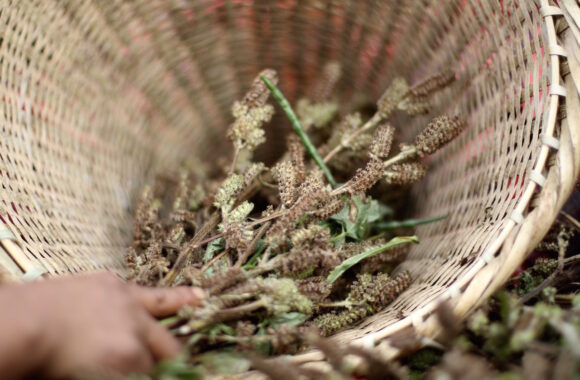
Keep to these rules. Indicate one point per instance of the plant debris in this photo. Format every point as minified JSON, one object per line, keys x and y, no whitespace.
{"x":301,"y":246}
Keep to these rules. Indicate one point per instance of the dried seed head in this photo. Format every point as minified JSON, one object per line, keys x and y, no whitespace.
{"x":181,"y":192}
{"x":131,"y":263}
{"x":360,"y":143}
{"x":351,"y":122}
{"x":341,"y":132}
{"x":297,"y":152}
{"x":146,"y":216}
{"x":365,"y":178}
{"x":176,"y":234}
{"x":391,"y":290}
{"x":317,"y":115}
{"x":392,"y":97}
{"x":308,"y":234}
{"x":315,"y":289}
{"x":364,"y":288}
{"x":432,"y":84}
{"x":283,"y":296}
{"x":414,"y":107}
{"x":258,"y":93}
{"x":284,"y":172}
{"x":329,"y":78}
{"x":253,"y":172}
{"x":333,"y":206}
{"x":331,"y":322}
{"x":392,"y":256}
{"x":240,"y":213}
{"x":226,"y":194}
{"x":382,"y":141}
{"x":238,"y":236}
{"x":438,"y":132}
{"x":405,"y":174}
{"x":311,"y":193}
{"x":223,"y":280}
{"x":300,"y":260}
{"x":246,"y":131}
{"x":380,"y":290}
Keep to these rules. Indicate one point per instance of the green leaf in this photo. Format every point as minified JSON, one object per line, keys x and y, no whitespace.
{"x":356,"y":215}
{"x":220,"y":328}
{"x":352,"y":261}
{"x":214,"y":247}
{"x":177,"y":369}
{"x":378,"y":211}
{"x":409,"y":223}
{"x":253,"y":261}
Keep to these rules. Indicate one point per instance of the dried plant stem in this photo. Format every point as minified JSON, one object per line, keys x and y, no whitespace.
{"x":193,"y":244}
{"x":200,"y":239}
{"x":236,"y":339}
{"x":235,"y":160}
{"x":405,"y":154}
{"x":248,"y":252}
{"x":236,"y":297}
{"x":337,"y":304}
{"x":370,"y":124}
{"x":235,"y":312}
{"x":267,"y":218}
{"x":214,"y":260}
{"x":310,"y":148}
{"x":571,"y":220}
{"x":222,"y":316}
{"x":267,"y":184}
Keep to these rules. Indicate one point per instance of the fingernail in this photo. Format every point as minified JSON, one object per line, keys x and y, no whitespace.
{"x":198,"y":293}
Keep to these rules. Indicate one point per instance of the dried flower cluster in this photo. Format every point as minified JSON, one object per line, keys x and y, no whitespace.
{"x":284,"y":250}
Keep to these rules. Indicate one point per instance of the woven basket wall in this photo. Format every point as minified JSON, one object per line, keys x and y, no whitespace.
{"x":97,"y":95}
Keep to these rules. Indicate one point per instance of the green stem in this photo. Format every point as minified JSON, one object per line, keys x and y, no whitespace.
{"x":310,"y":148}
{"x":409,"y":223}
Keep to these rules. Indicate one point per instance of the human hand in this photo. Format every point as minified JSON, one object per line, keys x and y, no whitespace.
{"x":62,"y":327}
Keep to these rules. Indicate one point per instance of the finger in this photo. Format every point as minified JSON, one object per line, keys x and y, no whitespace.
{"x":161,"y":302}
{"x":134,"y":356}
{"x":161,"y":343}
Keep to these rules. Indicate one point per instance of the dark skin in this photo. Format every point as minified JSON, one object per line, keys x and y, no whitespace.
{"x":60,"y":328}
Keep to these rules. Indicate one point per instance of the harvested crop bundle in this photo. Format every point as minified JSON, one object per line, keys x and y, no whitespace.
{"x":305,"y":245}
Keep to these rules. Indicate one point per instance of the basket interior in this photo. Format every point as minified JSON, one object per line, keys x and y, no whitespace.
{"x":99,"y":95}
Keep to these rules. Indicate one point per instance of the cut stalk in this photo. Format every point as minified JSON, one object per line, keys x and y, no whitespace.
{"x":370,"y":124}
{"x":310,"y":148}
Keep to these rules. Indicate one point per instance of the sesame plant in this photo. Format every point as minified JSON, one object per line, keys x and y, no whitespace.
{"x":305,"y":247}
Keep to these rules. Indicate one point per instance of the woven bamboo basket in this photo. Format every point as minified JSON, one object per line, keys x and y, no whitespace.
{"x":99,"y":95}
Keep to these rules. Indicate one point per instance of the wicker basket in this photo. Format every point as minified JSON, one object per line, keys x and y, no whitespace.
{"x":97,"y":95}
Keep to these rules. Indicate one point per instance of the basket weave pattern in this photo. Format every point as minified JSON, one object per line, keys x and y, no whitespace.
{"x":100,"y":95}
